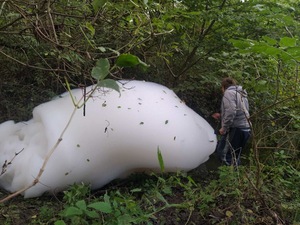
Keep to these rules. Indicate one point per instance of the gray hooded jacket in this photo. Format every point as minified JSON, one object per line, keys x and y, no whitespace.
{"x":235,"y":108}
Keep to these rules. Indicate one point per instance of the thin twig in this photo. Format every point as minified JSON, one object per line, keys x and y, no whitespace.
{"x":6,"y":164}
{"x":52,"y":150}
{"x":28,"y":65}
{"x":273,"y":214}
{"x":48,"y":156}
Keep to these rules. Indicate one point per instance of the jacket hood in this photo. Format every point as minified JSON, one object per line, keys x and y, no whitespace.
{"x":239,"y":89}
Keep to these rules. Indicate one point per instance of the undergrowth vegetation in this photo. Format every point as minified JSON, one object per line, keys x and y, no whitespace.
{"x":226,"y":195}
{"x":232,"y":197}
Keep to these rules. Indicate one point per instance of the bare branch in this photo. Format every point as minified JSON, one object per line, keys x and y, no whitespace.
{"x":6,"y":163}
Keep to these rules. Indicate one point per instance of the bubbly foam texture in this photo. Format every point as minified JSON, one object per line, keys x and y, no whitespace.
{"x":120,"y":133}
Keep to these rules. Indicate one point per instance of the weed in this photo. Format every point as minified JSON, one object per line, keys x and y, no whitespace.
{"x":76,"y":192}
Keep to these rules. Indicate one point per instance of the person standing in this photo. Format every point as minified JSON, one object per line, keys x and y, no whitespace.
{"x":235,"y":128}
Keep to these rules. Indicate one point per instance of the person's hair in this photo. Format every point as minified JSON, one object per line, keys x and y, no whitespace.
{"x":227,"y":82}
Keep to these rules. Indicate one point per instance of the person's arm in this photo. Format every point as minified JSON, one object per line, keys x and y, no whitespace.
{"x":216,"y":116}
{"x":229,"y":111}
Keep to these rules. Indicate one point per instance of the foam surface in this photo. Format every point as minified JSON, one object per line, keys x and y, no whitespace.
{"x":119,"y":134}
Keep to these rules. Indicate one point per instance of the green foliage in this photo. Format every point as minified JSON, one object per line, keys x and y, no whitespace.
{"x":75,"y":193}
{"x":160,"y":160}
{"x":128,"y":60}
{"x":101,"y":70}
{"x":285,"y":49}
{"x":120,"y":208}
{"x":81,"y":212}
{"x":109,"y":83}
{"x":226,"y":196}
{"x":153,"y":197}
{"x":97,"y":4}
{"x":188,"y":45}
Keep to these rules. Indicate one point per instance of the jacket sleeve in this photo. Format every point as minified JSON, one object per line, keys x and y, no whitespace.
{"x":229,"y":109}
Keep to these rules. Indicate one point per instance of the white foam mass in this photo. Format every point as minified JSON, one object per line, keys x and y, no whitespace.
{"x":119,"y":134}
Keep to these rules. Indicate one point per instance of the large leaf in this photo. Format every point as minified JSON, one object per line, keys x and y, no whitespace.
{"x":269,"y":40}
{"x":101,"y":70}
{"x":127,"y":60}
{"x":109,"y":83}
{"x":287,"y":42}
{"x":81,"y":205}
{"x":92,"y":214}
{"x":60,"y":222}
{"x":104,"y":207}
{"x":270,"y":50}
{"x":294,"y":52}
{"x":73,"y":211}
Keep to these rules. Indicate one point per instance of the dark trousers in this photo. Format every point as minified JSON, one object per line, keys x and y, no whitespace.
{"x":230,"y":145}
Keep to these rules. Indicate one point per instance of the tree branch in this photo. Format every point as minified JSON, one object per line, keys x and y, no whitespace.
{"x":187,"y":65}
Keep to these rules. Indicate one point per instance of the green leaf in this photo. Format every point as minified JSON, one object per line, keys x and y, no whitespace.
{"x":266,"y":50}
{"x":104,"y":207}
{"x":106,"y":198}
{"x":92,"y":214}
{"x":294,"y":53}
{"x":127,"y":60}
{"x":73,"y":211}
{"x":60,"y":222}
{"x":269,"y":50}
{"x":136,"y":190}
{"x":287,"y":57}
{"x":90,"y":27}
{"x":167,"y":190}
{"x":97,"y":4}
{"x":287,"y":42}
{"x":125,"y":219}
{"x":191,"y":180}
{"x":262,"y":82}
{"x":81,"y":205}
{"x":101,"y":70}
{"x":269,"y":40}
{"x":241,"y":44}
{"x":160,"y":160}
{"x":109,"y":83}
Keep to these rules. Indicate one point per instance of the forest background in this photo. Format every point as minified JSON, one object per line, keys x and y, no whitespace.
{"x":189,"y":46}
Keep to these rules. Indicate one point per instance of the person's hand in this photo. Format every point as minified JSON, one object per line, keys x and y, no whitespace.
{"x":222,"y":131}
{"x":216,"y":116}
